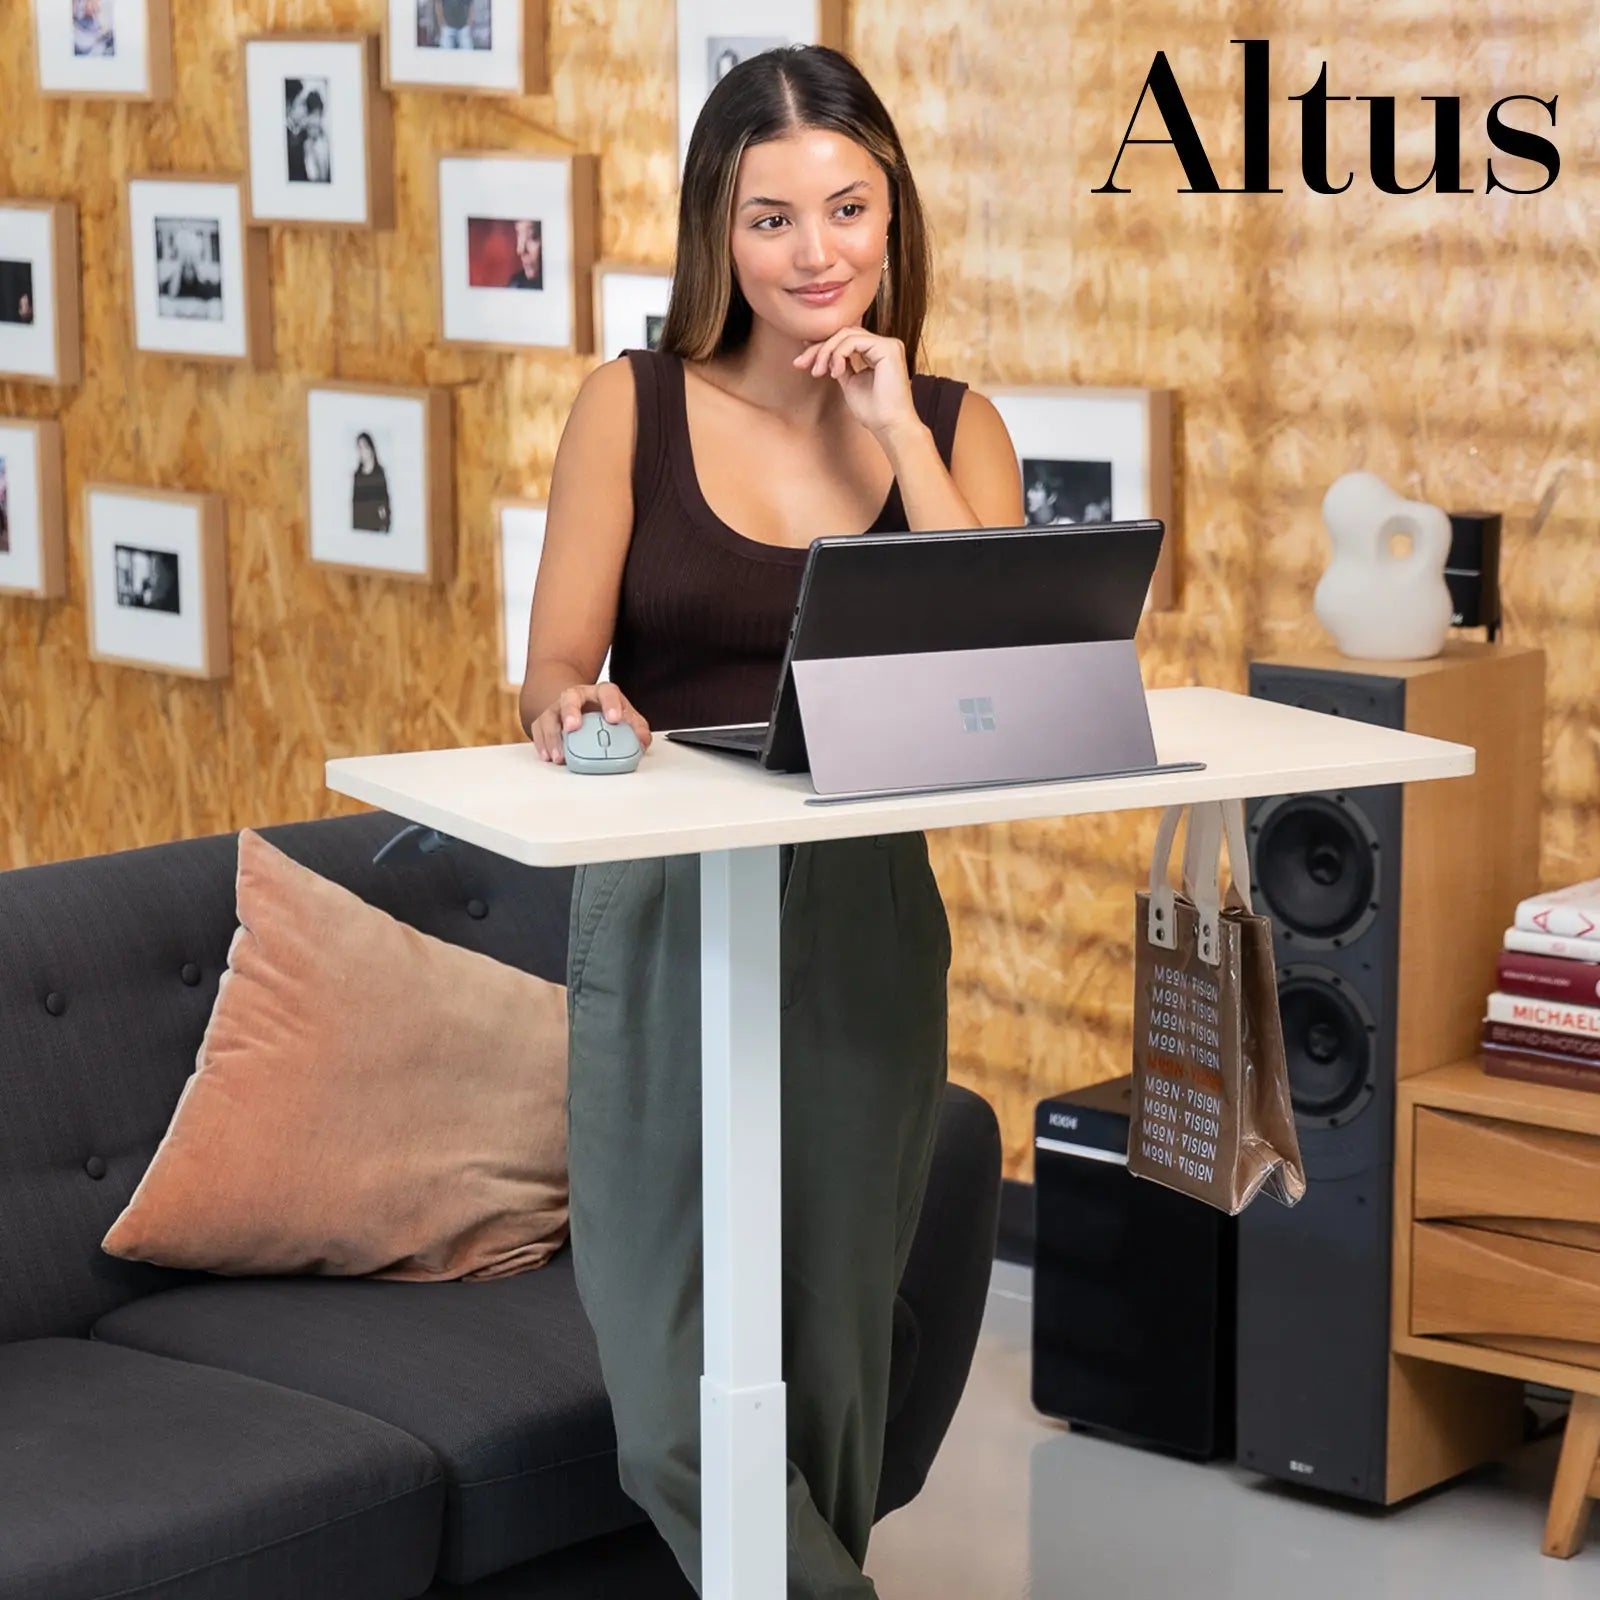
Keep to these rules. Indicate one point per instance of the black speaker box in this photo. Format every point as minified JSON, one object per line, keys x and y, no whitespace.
{"x":1133,"y":1287}
{"x":1384,"y":936}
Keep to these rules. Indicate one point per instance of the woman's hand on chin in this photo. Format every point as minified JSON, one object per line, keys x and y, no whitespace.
{"x":871,"y":370}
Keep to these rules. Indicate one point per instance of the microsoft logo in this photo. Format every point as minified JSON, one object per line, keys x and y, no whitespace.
{"x":977,"y":715}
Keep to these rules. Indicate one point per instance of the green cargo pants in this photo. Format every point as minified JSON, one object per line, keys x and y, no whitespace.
{"x":865,"y":952}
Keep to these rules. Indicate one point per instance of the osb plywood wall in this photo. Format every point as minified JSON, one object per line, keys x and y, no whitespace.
{"x":1445,"y":342}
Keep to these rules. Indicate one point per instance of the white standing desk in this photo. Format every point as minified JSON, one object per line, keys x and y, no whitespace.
{"x":683,"y":800}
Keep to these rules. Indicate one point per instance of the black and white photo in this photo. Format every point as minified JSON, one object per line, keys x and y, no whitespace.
{"x":305,"y":130}
{"x":1088,"y":455}
{"x":715,"y":36}
{"x":189,"y":268}
{"x":724,"y":52}
{"x":1056,"y":492}
{"x":157,"y":579}
{"x":147,"y":579}
{"x":318,"y":133}
{"x":199,"y":275}
{"x":378,"y":480}
{"x":369,"y":493}
{"x":5,"y":511}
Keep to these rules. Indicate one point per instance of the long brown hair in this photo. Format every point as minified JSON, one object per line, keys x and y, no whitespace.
{"x":767,"y":97}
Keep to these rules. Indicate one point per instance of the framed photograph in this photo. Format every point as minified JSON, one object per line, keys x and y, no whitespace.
{"x":516,"y":251}
{"x":518,"y":548}
{"x":158,"y":579}
{"x":110,"y":49}
{"x":716,"y":35}
{"x":320,"y":144}
{"x":378,"y":492}
{"x":630,"y":307}
{"x":518,"y":551}
{"x":199,"y":274}
{"x":33,"y":545}
{"x":476,"y":46}
{"x":40,"y":331}
{"x":1097,"y":455}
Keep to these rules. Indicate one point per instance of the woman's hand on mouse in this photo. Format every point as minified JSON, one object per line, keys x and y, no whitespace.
{"x":567,"y":714}
{"x":871,"y":370}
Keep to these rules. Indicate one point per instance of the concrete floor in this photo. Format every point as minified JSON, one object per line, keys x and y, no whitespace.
{"x":1020,"y":1508}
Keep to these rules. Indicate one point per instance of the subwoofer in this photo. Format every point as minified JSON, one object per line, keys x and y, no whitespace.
{"x":1133,"y":1287}
{"x":1388,"y":907}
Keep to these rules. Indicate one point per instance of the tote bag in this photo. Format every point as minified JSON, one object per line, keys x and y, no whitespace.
{"x":1212,"y":1114}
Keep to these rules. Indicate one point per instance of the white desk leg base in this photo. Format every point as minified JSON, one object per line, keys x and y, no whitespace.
{"x":743,"y":1435}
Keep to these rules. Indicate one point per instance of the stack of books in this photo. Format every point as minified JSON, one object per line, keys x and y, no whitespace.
{"x":1542,"y":1022}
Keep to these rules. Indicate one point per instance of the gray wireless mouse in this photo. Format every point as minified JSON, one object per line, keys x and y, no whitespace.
{"x":600,"y":746}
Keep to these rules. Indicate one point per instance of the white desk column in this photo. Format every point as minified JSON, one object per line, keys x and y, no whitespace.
{"x":742,"y":1427}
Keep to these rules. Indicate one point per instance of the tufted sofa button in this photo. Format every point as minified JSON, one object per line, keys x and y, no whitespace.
{"x":476,"y":908}
{"x":55,"y":1003}
{"x":95,"y":1166}
{"x":190,"y":973}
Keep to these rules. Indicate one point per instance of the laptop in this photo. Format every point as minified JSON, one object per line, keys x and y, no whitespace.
{"x":918,"y":662}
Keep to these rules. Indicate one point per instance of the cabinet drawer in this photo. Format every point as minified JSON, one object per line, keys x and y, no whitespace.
{"x":1506,"y":1290}
{"x":1512,"y":1177}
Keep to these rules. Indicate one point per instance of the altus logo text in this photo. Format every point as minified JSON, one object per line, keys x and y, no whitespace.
{"x":1161,"y":85}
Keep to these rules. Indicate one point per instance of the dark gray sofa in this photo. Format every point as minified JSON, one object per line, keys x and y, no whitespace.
{"x":178,"y":1436}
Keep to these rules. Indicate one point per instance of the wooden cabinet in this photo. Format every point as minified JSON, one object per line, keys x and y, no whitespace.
{"x":1497,"y":1249}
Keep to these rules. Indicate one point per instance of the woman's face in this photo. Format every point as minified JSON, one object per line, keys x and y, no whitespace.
{"x":810,"y":226}
{"x":364,"y":450}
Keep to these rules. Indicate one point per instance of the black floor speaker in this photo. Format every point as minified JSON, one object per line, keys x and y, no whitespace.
{"x":1133,"y":1287}
{"x":1386,"y":908}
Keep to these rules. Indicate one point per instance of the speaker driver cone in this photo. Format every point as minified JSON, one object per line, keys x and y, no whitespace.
{"x":1316,"y":866}
{"x":1328,"y":1040}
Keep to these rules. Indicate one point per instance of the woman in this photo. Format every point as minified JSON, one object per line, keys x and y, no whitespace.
{"x":687,"y":486}
{"x":369,"y":493}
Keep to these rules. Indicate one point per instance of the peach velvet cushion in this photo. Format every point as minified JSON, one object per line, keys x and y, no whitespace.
{"x":366,"y":1100}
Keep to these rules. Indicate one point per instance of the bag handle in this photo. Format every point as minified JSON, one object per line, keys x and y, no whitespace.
{"x":1161,"y":920}
{"x":1208,"y":822}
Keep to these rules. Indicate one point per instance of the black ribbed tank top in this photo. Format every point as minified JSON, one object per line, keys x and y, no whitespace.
{"x":704,"y":612}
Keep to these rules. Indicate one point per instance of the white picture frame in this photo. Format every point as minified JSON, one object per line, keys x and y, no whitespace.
{"x":157,"y":580}
{"x":519,"y":548}
{"x":714,"y":30}
{"x":378,"y":482}
{"x":499,"y":50}
{"x":630,"y":305}
{"x":1096,"y":455}
{"x":33,"y":545}
{"x":110,"y":50}
{"x":318,"y":140}
{"x":492,"y":208}
{"x":41,"y":337}
{"x":199,"y":273}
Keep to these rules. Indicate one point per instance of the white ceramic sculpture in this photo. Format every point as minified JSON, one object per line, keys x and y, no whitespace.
{"x":1379,"y":605}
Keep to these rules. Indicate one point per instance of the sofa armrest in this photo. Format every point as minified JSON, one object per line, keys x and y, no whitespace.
{"x":945,"y":1287}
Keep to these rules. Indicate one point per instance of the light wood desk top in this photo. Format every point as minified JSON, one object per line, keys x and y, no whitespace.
{"x":684,"y":800}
